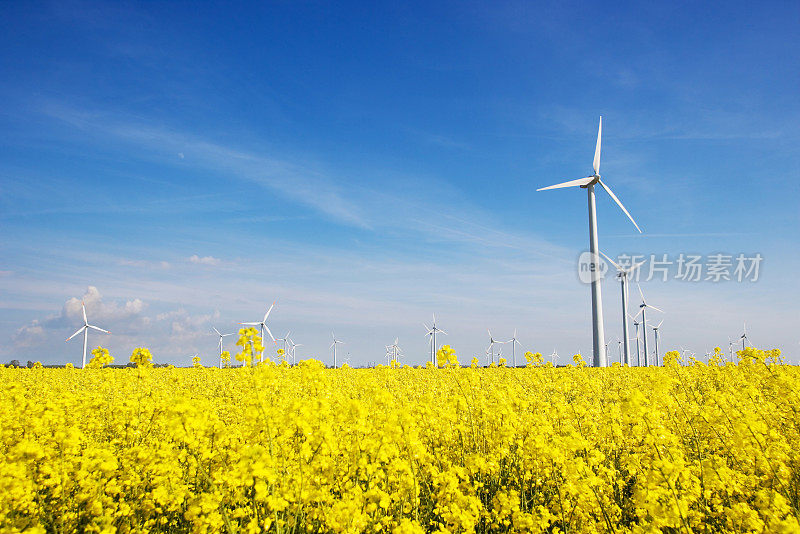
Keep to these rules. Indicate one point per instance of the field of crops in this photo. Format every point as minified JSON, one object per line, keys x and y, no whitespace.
{"x":305,"y":449}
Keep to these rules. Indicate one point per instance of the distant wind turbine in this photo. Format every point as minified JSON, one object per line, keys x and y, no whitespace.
{"x":284,"y":339}
{"x":655,"y":335}
{"x":85,"y":329}
{"x":743,"y":337}
{"x":492,"y":343}
{"x":554,"y":358}
{"x":263,"y":325}
{"x":333,"y":346}
{"x":514,"y":341}
{"x":220,"y":344}
{"x":393,"y":351}
{"x":642,"y":309}
{"x":588,"y":183}
{"x":622,"y":275}
{"x":293,"y":349}
{"x":432,"y":331}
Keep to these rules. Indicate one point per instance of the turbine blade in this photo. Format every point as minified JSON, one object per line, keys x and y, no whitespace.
{"x":268,"y":311}
{"x":640,"y":292}
{"x":656,"y":309}
{"x":426,"y":327}
{"x":613,"y":196}
{"x":332,"y":344}
{"x":442,"y":332}
{"x":76,"y":333}
{"x":98,"y":328}
{"x":636,"y":266}
{"x":612,"y":262}
{"x":215,"y":330}
{"x":270,"y":333}
{"x":571,"y":183}
{"x":659,"y":324}
{"x":596,"y":162}
{"x":251,"y":324}
{"x":83,"y":307}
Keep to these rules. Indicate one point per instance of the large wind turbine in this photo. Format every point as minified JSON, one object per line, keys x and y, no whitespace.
{"x":588,"y":183}
{"x":220,"y":344}
{"x":333,"y":346}
{"x":263,"y":325}
{"x":642,"y":307}
{"x":622,"y":275}
{"x":432,"y":334}
{"x":85,"y":329}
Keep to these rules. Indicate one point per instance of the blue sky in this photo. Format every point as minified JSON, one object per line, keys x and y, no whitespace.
{"x":182,"y":165}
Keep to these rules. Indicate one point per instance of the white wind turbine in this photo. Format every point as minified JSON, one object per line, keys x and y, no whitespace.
{"x":492,"y":343}
{"x":263,"y":325}
{"x":636,"y":326}
{"x":220,"y":344}
{"x":432,"y":331}
{"x":284,"y":339}
{"x":333,"y":346}
{"x":85,"y":329}
{"x":554,"y":358}
{"x":588,"y":183}
{"x":514,"y":341}
{"x":293,"y":348}
{"x":393,"y":352}
{"x":622,"y":275}
{"x":642,"y":307}
{"x":655,"y":334}
{"x":743,"y":337}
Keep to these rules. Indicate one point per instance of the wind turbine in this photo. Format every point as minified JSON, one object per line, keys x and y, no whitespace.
{"x":293,"y":348}
{"x":554,"y":358}
{"x":655,"y":334}
{"x":333,"y":346}
{"x":743,"y":337}
{"x":492,"y":343}
{"x":85,"y":329}
{"x":393,"y":351}
{"x":432,"y":334}
{"x":622,"y":275}
{"x":220,"y":344}
{"x":284,"y":339}
{"x":642,"y":307}
{"x":588,"y":183}
{"x":263,"y":325}
{"x":514,"y":341}
{"x":636,"y":327}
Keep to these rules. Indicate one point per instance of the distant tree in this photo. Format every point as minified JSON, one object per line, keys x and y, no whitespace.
{"x":30,"y":364}
{"x":13,"y":363}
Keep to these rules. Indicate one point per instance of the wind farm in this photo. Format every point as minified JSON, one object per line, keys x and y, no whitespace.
{"x":340,"y":268}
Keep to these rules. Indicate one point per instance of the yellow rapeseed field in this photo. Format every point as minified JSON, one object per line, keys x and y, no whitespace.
{"x":679,"y":448}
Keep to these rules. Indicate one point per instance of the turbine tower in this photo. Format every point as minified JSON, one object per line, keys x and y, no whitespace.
{"x":638,"y":357}
{"x":642,"y":307}
{"x":85,"y":329}
{"x":220,"y":344}
{"x":333,"y":346}
{"x":263,"y":325}
{"x":623,"y":275}
{"x":432,"y":335}
{"x":588,"y":183}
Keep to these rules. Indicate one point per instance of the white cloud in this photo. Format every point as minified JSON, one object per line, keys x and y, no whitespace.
{"x":29,"y":335}
{"x":205,"y":260}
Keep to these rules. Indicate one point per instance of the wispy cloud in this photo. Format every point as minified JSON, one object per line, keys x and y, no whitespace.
{"x":205,"y":260}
